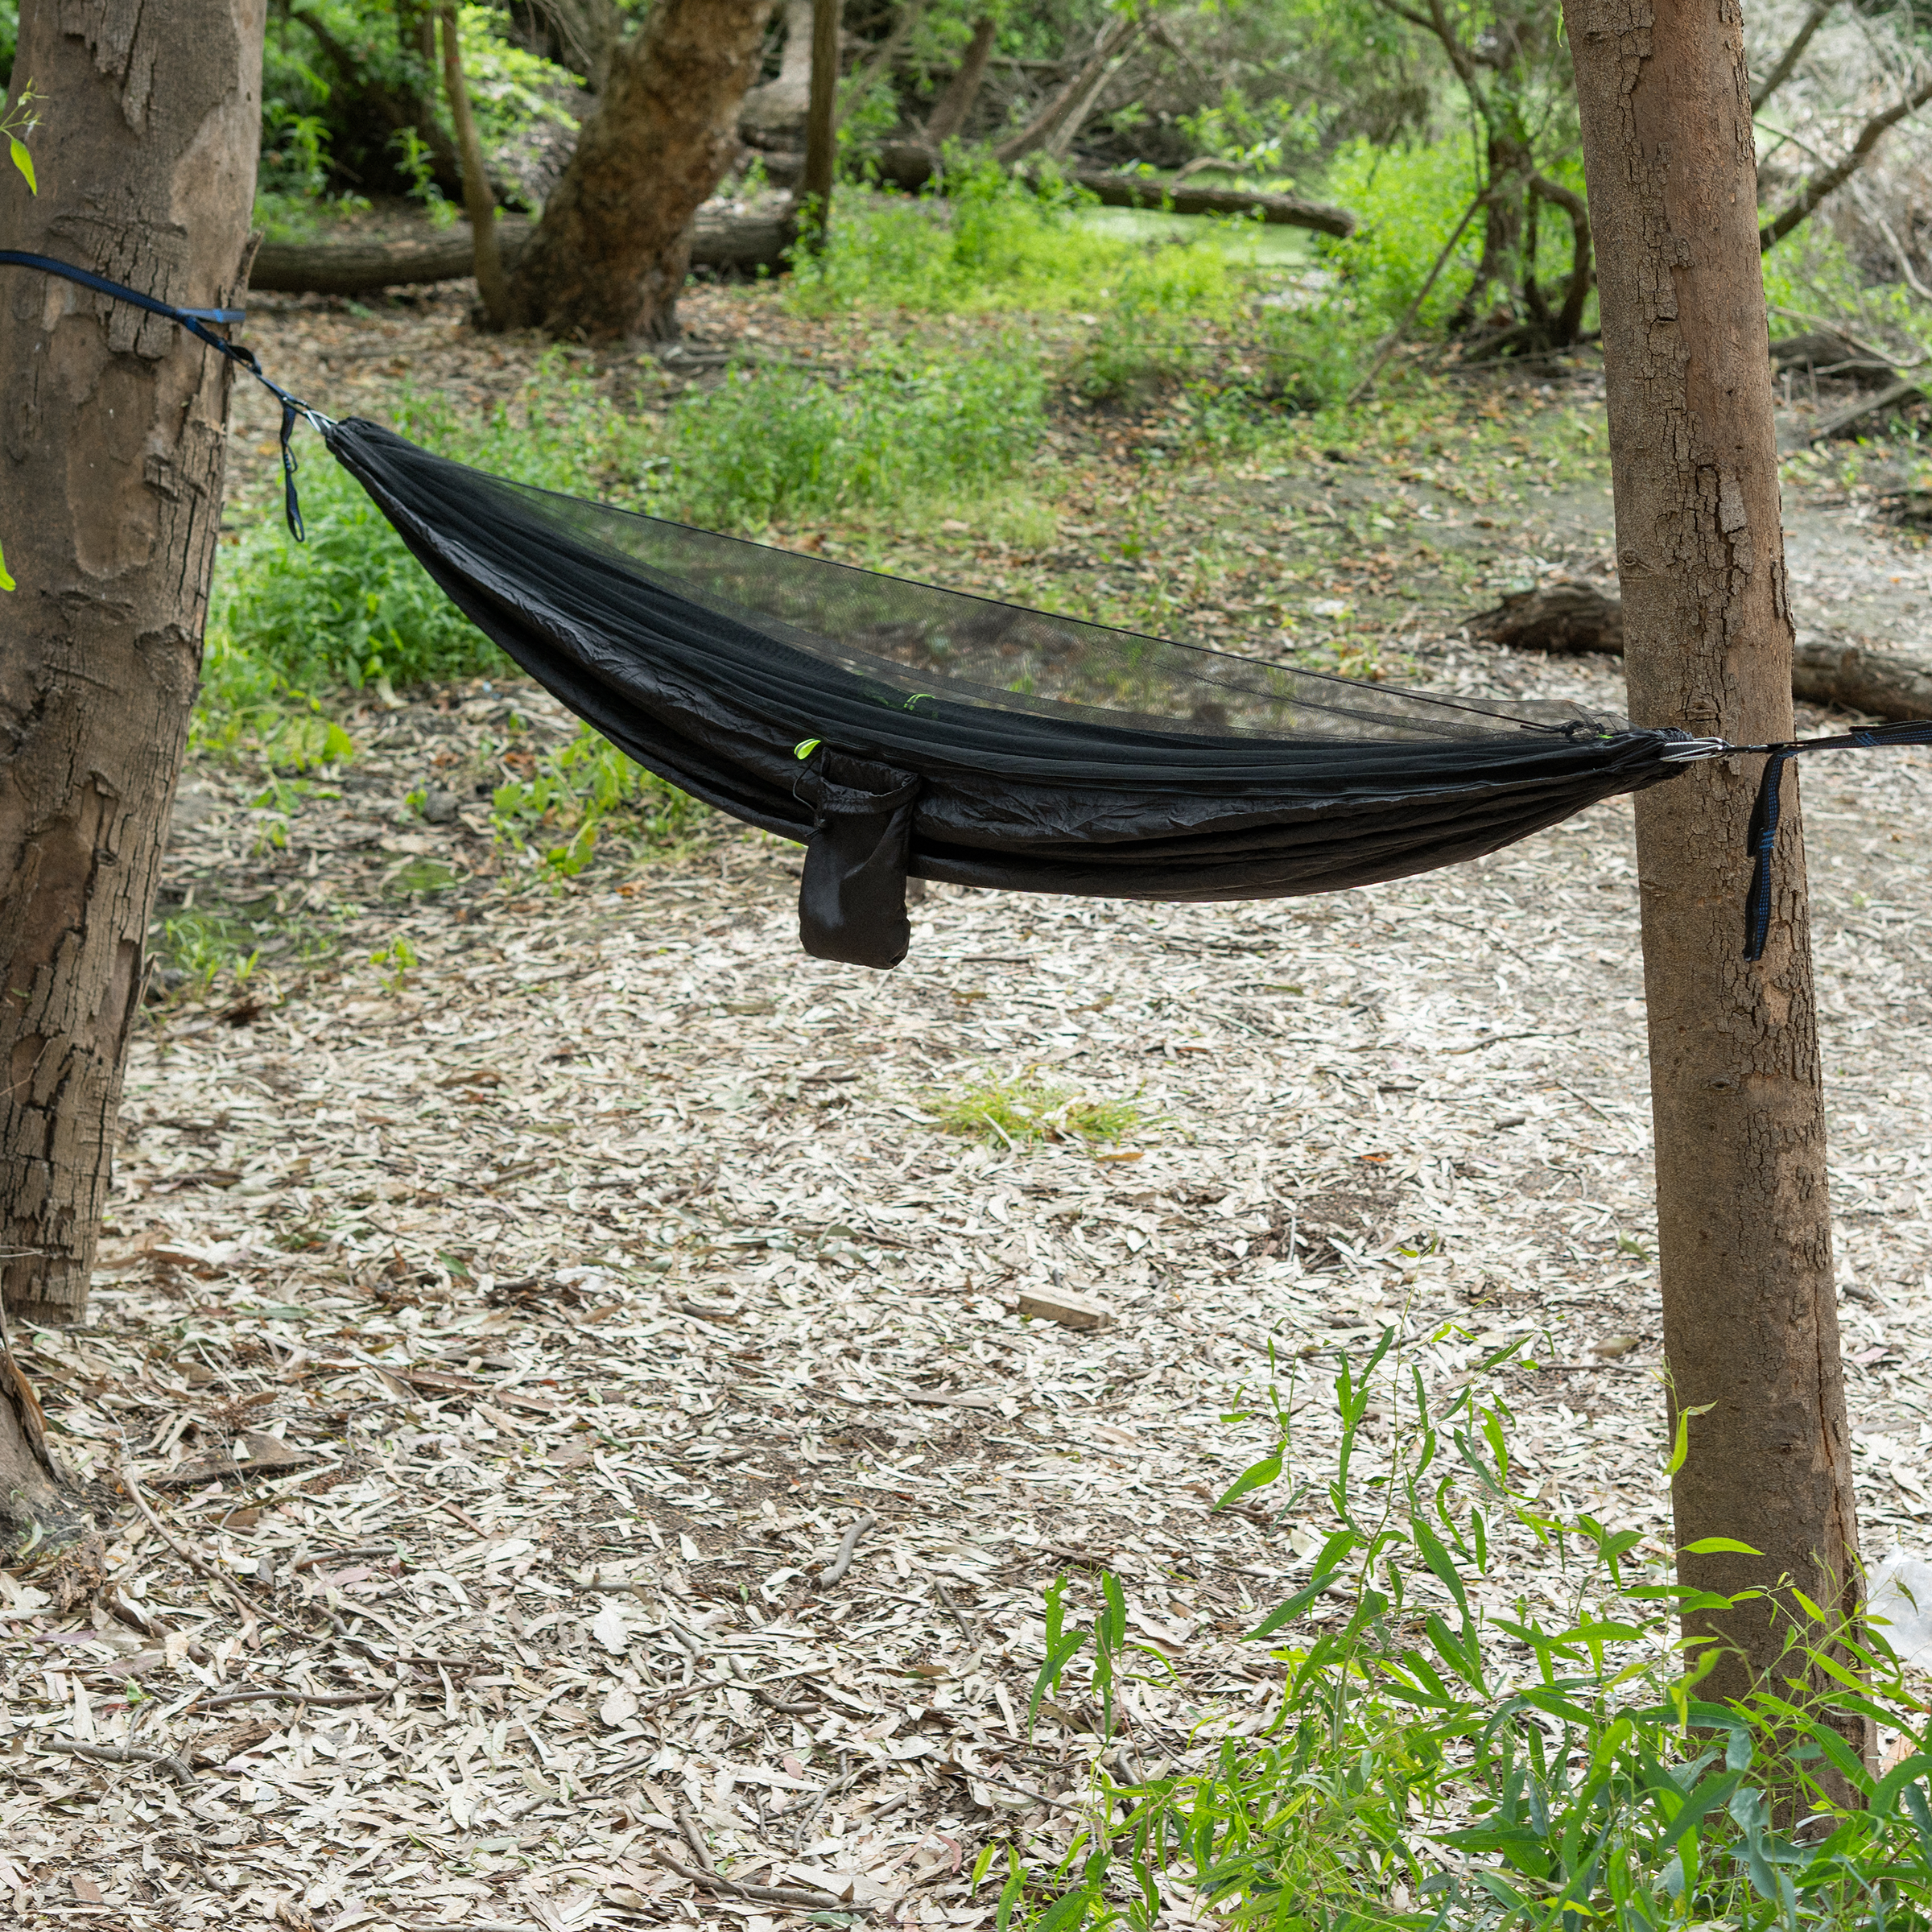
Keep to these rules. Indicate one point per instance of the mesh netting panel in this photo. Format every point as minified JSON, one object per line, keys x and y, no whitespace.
{"x":916,"y":639}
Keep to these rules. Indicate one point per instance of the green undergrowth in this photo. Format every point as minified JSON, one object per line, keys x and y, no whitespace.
{"x":907,"y":427}
{"x":1460,"y":1744}
{"x":992,"y":244}
{"x":587,"y":792}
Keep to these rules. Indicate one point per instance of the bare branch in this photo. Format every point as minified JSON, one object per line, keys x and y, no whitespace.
{"x":1831,"y":178}
{"x":1789,"y":58}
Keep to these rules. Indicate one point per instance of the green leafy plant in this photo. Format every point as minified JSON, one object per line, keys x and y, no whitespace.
{"x":395,"y":962}
{"x":587,"y":788}
{"x":1437,"y":1763}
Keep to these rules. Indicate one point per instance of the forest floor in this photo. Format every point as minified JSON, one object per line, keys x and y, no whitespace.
{"x":531,"y":1291}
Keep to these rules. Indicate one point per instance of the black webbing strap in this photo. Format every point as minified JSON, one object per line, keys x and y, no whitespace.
{"x":196,"y":321}
{"x":1762,"y":839}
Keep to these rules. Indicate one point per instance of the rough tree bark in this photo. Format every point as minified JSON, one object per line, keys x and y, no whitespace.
{"x":613,"y":247}
{"x":1743,"y":1228}
{"x":111,"y":428}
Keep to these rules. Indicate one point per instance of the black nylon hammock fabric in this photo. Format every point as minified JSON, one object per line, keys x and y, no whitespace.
{"x":950,"y":738}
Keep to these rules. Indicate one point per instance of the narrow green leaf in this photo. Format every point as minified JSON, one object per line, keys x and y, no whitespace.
{"x":805,"y":747}
{"x":1257,"y":1476}
{"x":1680,"y":1453}
{"x":1287,"y":1614}
{"x":1713,"y":1546}
{"x":24,"y":162}
{"x":7,"y":581}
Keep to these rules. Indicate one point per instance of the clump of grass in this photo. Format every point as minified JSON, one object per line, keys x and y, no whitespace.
{"x":777,"y":443}
{"x":1152,"y":331}
{"x":1436,"y":1764}
{"x":1014,"y":1111}
{"x":585,"y":790}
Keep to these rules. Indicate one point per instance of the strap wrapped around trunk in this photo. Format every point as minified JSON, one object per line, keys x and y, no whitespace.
{"x":851,"y":902}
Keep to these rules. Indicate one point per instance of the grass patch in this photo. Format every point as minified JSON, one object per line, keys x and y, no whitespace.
{"x":1013,"y":1112}
{"x":1438,"y":1761}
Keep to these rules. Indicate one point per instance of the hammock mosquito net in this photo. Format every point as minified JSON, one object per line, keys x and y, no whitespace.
{"x":898,"y":729}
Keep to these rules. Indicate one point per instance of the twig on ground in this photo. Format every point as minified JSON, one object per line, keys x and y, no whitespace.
{"x":770,"y":1895}
{"x":835,"y":1571}
{"x":122,"y":1754}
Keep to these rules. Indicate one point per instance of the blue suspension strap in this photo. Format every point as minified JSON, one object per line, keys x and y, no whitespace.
{"x":196,"y":321}
{"x":1761,"y":841}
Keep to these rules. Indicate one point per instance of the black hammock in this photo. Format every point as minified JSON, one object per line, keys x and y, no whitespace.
{"x":896,"y":729}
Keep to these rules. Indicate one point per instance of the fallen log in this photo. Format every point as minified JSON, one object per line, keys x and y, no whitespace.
{"x":744,"y":241}
{"x":1572,"y":617}
{"x":910,"y":165}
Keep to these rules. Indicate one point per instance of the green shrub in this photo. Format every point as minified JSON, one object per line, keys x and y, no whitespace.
{"x":777,"y":443}
{"x":1413,"y":1777}
{"x":1409,"y":200}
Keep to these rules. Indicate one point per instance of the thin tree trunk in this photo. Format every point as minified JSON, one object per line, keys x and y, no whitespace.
{"x":478,"y":198}
{"x":112,"y":436}
{"x":1828,"y":180}
{"x":950,"y":111}
{"x":613,"y":247}
{"x":1743,"y":1228}
{"x":1792,"y":55}
{"x":821,"y":126}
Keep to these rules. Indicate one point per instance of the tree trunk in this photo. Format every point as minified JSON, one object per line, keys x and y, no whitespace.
{"x":1743,"y":1228}
{"x":950,"y":111}
{"x":1507,"y":165}
{"x":821,"y":126}
{"x":613,"y":247}
{"x":479,"y":201}
{"x":111,"y":446}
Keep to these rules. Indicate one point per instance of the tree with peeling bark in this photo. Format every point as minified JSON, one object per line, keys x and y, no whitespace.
{"x":1750,"y":1313}
{"x":610,"y":255}
{"x":112,"y":457}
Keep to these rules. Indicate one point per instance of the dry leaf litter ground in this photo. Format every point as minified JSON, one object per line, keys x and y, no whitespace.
{"x":598,"y":1383}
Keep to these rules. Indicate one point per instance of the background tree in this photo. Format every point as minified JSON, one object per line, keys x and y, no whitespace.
{"x":1744,"y":1238}
{"x":110,"y":467}
{"x":613,"y":247}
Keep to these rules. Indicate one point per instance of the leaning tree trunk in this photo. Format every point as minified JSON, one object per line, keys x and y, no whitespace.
{"x":111,"y":428}
{"x":611,"y":254}
{"x":1743,"y":1229}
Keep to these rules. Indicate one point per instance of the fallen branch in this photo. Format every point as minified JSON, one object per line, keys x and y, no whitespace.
{"x":1571,"y":618}
{"x":122,"y":1754}
{"x":835,"y":1571}
{"x":718,"y":241}
{"x":1839,"y":420}
{"x":769,"y":1895}
{"x":911,"y":165}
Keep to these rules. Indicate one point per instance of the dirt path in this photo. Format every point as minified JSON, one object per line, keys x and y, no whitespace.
{"x":571,"y":1296}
